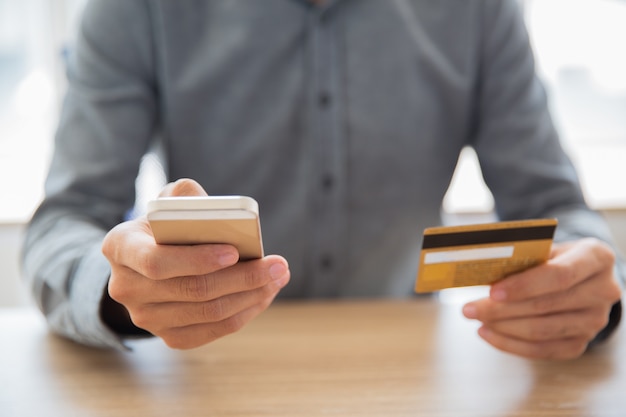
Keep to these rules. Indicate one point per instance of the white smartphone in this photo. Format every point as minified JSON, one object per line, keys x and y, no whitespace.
{"x":214,"y":219}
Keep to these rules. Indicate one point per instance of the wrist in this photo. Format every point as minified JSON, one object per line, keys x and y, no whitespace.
{"x":116,"y":317}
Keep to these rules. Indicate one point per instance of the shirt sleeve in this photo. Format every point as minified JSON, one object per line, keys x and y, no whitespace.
{"x":106,"y":125}
{"x":521,"y":159}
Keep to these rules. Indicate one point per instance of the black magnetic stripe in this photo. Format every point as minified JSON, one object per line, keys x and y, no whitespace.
{"x":487,"y":236}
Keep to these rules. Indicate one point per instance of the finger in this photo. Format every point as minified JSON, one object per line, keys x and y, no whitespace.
{"x":132,"y":245}
{"x":589,"y":294}
{"x":562,"y":349}
{"x":582,"y":324}
{"x":182,"y":187}
{"x":136,"y":290}
{"x":157,"y":318}
{"x":199,"y":334}
{"x":570,"y":265}
{"x":244,"y":276}
{"x":488,"y":311}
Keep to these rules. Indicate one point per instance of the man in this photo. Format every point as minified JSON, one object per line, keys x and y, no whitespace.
{"x":344,"y":119}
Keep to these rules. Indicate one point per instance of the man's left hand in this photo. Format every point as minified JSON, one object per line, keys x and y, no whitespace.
{"x":554,"y":310}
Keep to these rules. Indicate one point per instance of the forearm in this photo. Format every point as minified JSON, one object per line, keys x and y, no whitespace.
{"x":518,"y":147}
{"x":106,"y":126}
{"x":68,"y":275}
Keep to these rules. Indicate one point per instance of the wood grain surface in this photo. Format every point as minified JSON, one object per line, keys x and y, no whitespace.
{"x":346,"y":358}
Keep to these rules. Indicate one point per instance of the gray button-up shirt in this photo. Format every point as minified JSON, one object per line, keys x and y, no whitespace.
{"x":344,"y":121}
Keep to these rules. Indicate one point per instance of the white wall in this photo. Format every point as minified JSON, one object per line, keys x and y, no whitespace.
{"x":12,"y":290}
{"x":617,"y":221}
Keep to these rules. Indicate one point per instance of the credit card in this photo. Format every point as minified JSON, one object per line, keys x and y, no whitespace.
{"x":481,"y":254}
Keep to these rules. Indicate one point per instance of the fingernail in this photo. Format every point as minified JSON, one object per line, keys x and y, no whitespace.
{"x":470,"y":311}
{"x":484,"y":332}
{"x":498,"y":295}
{"x":227,"y":258}
{"x":278,"y":271}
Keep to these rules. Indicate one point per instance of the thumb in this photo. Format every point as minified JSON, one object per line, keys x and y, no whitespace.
{"x":183,"y":187}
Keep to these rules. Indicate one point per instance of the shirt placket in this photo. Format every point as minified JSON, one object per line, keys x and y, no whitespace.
{"x":328,"y":179}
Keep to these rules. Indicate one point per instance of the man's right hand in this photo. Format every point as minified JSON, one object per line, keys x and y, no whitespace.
{"x":188,"y":295}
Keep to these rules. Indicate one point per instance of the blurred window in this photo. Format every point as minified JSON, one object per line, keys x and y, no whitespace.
{"x":579,"y":48}
{"x":33,"y":34}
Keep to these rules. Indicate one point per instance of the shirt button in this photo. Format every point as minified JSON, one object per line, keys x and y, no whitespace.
{"x":326,"y":263}
{"x":328,"y":181}
{"x":324,"y":99}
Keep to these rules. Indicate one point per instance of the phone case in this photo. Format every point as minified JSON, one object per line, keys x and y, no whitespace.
{"x":199,"y":220}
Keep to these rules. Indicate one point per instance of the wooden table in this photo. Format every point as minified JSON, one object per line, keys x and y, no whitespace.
{"x":354,"y":358}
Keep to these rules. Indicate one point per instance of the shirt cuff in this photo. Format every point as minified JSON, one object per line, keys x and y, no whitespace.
{"x":88,"y":287}
{"x":615,"y":317}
